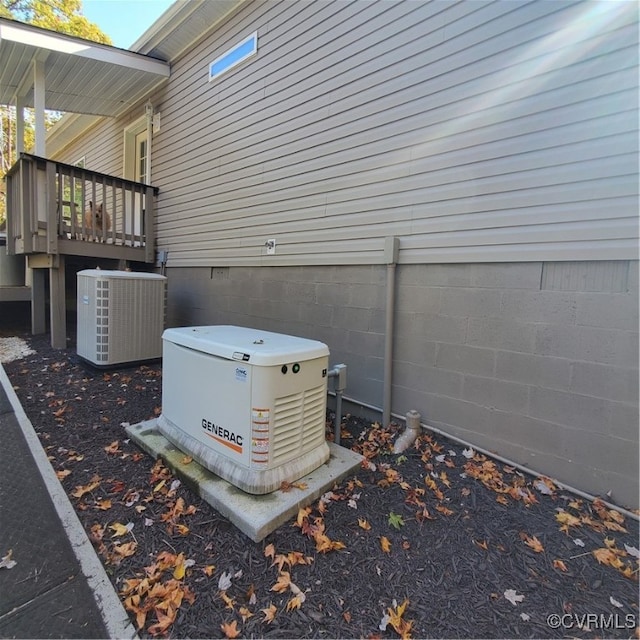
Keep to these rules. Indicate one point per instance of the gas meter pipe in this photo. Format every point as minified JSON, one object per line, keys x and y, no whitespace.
{"x":339,"y":372}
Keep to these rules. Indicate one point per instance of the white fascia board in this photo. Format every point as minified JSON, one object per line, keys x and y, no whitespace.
{"x":51,"y":41}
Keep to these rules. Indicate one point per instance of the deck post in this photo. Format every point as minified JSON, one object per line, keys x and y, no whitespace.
{"x":149,"y":225}
{"x":57,"y":304}
{"x":38,"y":322}
{"x":51,"y":204}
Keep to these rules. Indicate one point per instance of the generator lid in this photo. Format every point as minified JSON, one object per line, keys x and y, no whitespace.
{"x":112,"y":273}
{"x":254,"y":346}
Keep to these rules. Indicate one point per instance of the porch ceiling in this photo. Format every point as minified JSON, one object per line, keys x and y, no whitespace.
{"x":80,"y":76}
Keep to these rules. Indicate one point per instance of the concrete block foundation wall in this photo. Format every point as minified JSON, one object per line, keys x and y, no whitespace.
{"x":535,"y":361}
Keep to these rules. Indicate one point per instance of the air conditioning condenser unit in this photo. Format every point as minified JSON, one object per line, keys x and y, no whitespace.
{"x":248,"y":405}
{"x":120,"y":316}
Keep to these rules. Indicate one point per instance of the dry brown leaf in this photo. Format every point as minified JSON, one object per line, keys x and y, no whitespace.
{"x":295,"y":602}
{"x":120,"y":529}
{"x":81,"y":490}
{"x":284,"y":580}
{"x":229,"y":602}
{"x":125,"y":550}
{"x":180,"y":569}
{"x":608,"y":556}
{"x":385,"y":544}
{"x":230,"y":629}
{"x":113,"y":448}
{"x":245,"y":613}
{"x":270,"y":551}
{"x":567,"y":520}
{"x":532,"y":542}
{"x":560,"y":565}
{"x":63,"y":473}
{"x":269,"y":613}
{"x":401,"y":626}
{"x":363,"y":524}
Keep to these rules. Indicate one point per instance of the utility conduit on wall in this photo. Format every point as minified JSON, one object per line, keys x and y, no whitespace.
{"x":391,"y":247}
{"x":529,"y":471}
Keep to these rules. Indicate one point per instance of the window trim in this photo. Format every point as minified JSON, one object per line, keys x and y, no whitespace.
{"x":253,"y":38}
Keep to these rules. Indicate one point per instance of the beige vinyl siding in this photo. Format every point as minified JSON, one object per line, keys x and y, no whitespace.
{"x":473,"y":131}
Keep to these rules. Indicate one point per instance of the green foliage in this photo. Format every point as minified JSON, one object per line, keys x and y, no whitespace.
{"x":395,"y":520}
{"x":63,"y":16}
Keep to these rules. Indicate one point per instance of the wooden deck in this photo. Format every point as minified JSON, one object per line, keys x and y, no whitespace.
{"x":56,"y":210}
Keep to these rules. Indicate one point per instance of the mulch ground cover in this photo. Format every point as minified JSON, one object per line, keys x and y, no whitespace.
{"x":438,"y":541}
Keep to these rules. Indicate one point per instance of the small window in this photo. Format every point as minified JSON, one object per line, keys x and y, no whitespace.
{"x":245,"y":49}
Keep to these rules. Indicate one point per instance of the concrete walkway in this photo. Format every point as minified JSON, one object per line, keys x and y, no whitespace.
{"x":58,"y":587}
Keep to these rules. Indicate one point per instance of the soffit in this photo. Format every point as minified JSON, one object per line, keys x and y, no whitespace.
{"x":79,"y":76}
{"x":181,"y":25}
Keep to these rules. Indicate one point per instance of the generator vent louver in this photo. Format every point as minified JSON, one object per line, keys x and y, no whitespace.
{"x":298,"y":423}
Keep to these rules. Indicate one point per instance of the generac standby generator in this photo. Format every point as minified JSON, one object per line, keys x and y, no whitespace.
{"x":248,"y":405}
{"x":120,"y":316}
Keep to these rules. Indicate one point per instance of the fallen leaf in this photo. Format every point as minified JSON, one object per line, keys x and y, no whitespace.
{"x":81,"y":490}
{"x":245,"y":613}
{"x":401,"y":626}
{"x":513,"y":597}
{"x":113,"y":448}
{"x":385,"y":544}
{"x":363,"y":524}
{"x":545,"y":485}
{"x":103,"y":505}
{"x":444,"y":510}
{"x":269,"y":613}
{"x":560,"y":565}
{"x":209,"y":569}
{"x":224,"y":582}
{"x":7,"y":562}
{"x":186,"y":460}
{"x":532,"y":542}
{"x":230,"y":629}
{"x":605,"y":556}
{"x":284,"y":580}
{"x":384,"y":622}
{"x":229,"y":602}
{"x":395,"y":520}
{"x":125,"y":550}
{"x":526,"y":617}
{"x":567,"y":520}
{"x":615,"y":603}
{"x":632,"y":551}
{"x":120,"y":529}
{"x":179,"y":571}
{"x":63,"y":473}
{"x":295,"y":602}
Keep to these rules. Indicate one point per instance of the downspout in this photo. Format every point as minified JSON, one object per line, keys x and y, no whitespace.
{"x":148,"y":109}
{"x":391,"y":246}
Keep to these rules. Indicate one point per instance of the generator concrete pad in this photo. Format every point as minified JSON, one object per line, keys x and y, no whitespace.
{"x":256,"y":516}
